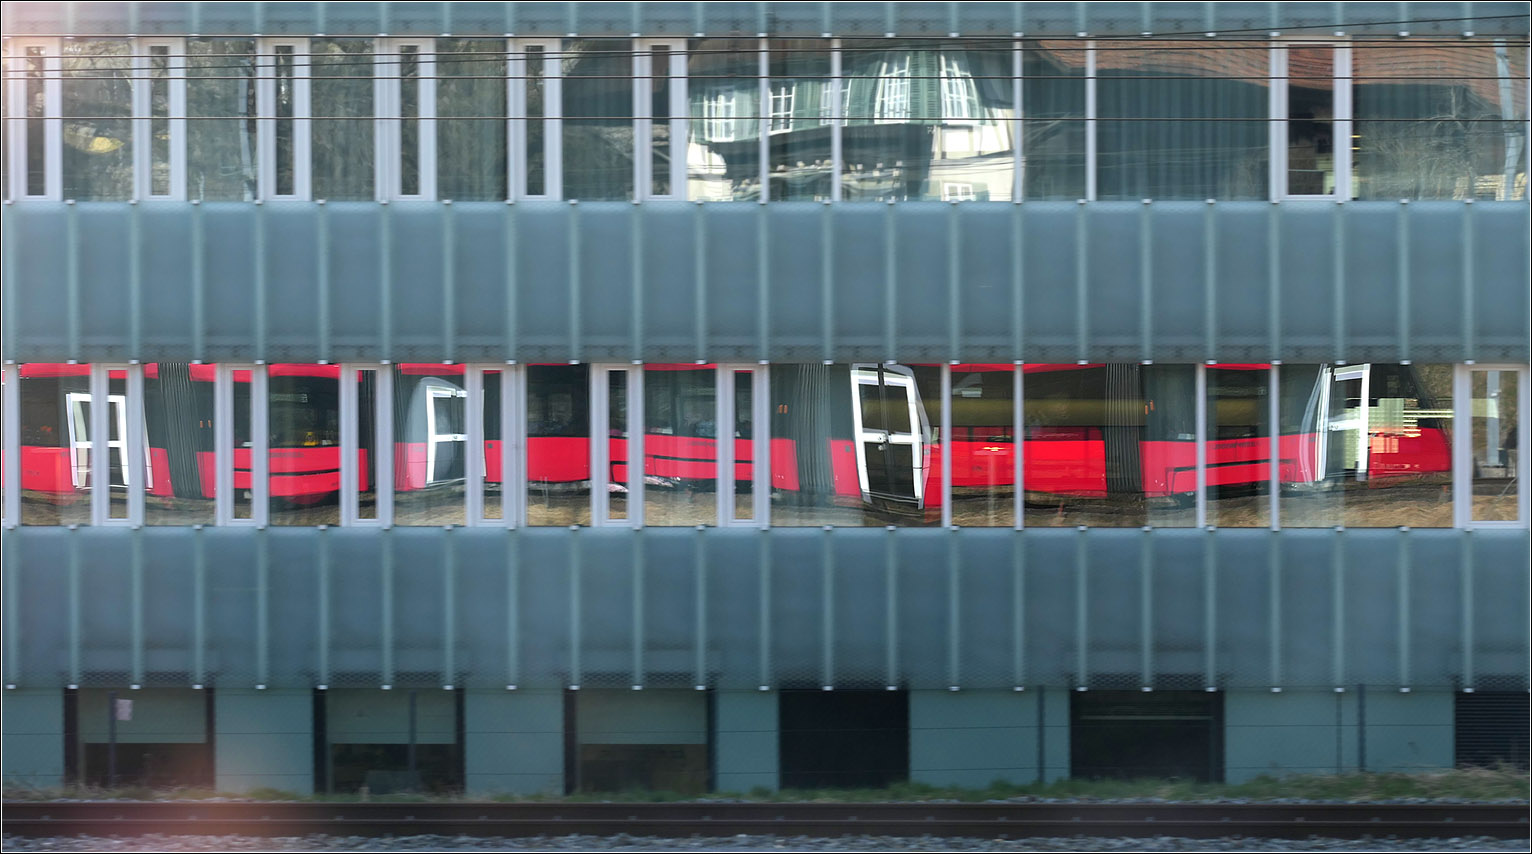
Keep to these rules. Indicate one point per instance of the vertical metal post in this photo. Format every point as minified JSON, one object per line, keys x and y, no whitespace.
{"x":386,"y":641}
{"x":322,"y":606}
{"x":386,"y":280}
{"x":954,"y":286}
{"x":322,"y":279}
{"x":136,"y":605}
{"x":449,"y":270}
{"x":724,"y":380}
{"x":700,"y":279}
{"x":1018,"y":612}
{"x":574,"y":607}
{"x":1402,"y":276}
{"x":576,"y":305}
{"x":946,"y":446}
{"x":637,"y":556}
{"x":838,"y":109}
{"x":512,"y":608}
{"x":1338,"y":608}
{"x":199,"y":607}
{"x":1338,"y":271}
{"x":1404,"y":608}
{"x":954,"y":610}
{"x":1274,"y":434}
{"x":1082,"y":285}
{"x":1090,"y":120}
{"x":111,"y":739}
{"x":1209,"y":281}
{"x":260,"y":447}
{"x":262,"y":610}
{"x":1274,"y":608}
{"x":135,"y":278}
{"x":763,"y":277}
{"x":1200,"y":413}
{"x":827,"y":613}
{"x":1082,"y":634}
{"x":383,"y":437}
{"x":636,"y":236}
{"x":1210,"y":612}
{"x":890,"y":286}
{"x":474,"y":465}
{"x":1019,"y":445}
{"x":760,"y":438}
{"x":449,"y":608}
{"x":198,"y":283}
{"x":261,"y":286}
{"x":1466,"y":593}
{"x":512,"y":289}
{"x":1274,"y":274}
{"x":1146,"y":610}
{"x":414,"y":735}
{"x":72,"y":274}
{"x":890,"y":608}
{"x":11,"y":467}
{"x":76,"y":627}
{"x":1146,"y":282}
{"x":136,"y":468}
{"x":764,"y":616}
{"x":827,"y":282}
{"x":1018,"y":284}
{"x":100,"y":452}
{"x":763,"y":116}
{"x":1019,"y":160}
{"x":699,"y":568}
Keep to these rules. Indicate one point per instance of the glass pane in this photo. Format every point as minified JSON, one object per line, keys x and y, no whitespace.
{"x":178,"y":418}
{"x":1239,"y":446}
{"x":118,"y":476}
{"x":598,"y":119}
{"x":659,"y":112}
{"x":221,"y":131}
{"x":723,"y":160}
{"x":1182,"y":121}
{"x":55,"y":444}
{"x":1495,"y":407}
{"x":470,"y":129}
{"x":1310,"y":121}
{"x":98,"y":119}
{"x":159,"y":126}
{"x":620,"y":472}
{"x":744,"y":445}
{"x":1053,"y":122}
{"x":799,"y":105}
{"x":828,"y":467}
{"x":303,"y":424}
{"x":1366,"y":446}
{"x":927,"y":120}
{"x":1110,"y":445}
{"x":680,"y":445}
{"x":494,"y":448}
{"x":983,"y":445}
{"x":430,"y":444}
{"x":1443,"y":122}
{"x":537,"y":132}
{"x":37,"y":152}
{"x":243,"y":472}
{"x":343,"y":119}
{"x":367,"y":442}
{"x":286,"y":108}
{"x":558,"y":445}
{"x":409,"y":120}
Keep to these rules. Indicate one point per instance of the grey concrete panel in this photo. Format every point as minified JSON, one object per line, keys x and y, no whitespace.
{"x":33,"y":753}
{"x":354,"y":608}
{"x":745,"y":740}
{"x":265,"y":740}
{"x":1300,"y":281}
{"x":513,"y":742}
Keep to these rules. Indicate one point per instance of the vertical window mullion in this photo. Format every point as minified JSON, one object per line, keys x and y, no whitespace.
{"x":223,"y":445}
{"x":473,"y":445}
{"x":1343,"y":124}
{"x":425,"y":157}
{"x":1462,"y":448}
{"x":1201,"y":433}
{"x":1524,"y":432}
{"x":763,"y":116}
{"x":516,"y":120}
{"x":679,"y":111}
{"x":350,"y":446}
{"x":260,"y":446}
{"x":837,"y":122}
{"x":1018,"y":440}
{"x":600,"y":443}
{"x":159,"y":62}
{"x":386,"y":82}
{"x":135,"y":448}
{"x":723,"y":457}
{"x":513,"y":432}
{"x":281,"y":60}
{"x":10,"y":466}
{"x":35,"y":66}
{"x":1277,"y":99}
{"x":178,"y":106}
{"x":383,"y":440}
{"x":643,"y":123}
{"x":140,"y":87}
{"x":945,"y":489}
{"x":760,"y":433}
{"x":99,"y":427}
{"x":1019,"y":163}
{"x":553,"y":126}
{"x":1090,"y":120}
{"x":636,"y":460}
{"x":1273,"y":417}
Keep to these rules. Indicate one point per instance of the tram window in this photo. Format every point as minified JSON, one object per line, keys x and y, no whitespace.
{"x":178,"y":422}
{"x":558,"y":444}
{"x":1238,"y":446}
{"x":1110,"y":445}
{"x":1366,"y":446}
{"x":342,"y":138}
{"x":303,"y":424}
{"x":983,"y":445}
{"x":494,"y":448}
{"x":1053,"y":122}
{"x":470,"y":143}
{"x":680,"y":445}
{"x":598,"y":135}
{"x":98,"y":119}
{"x":430,"y":444}
{"x":855,"y":445}
{"x":1495,"y":452}
{"x":56,"y":444}
{"x":221,"y":144}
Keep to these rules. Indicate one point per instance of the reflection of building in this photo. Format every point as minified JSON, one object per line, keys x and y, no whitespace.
{"x":1091,"y":462}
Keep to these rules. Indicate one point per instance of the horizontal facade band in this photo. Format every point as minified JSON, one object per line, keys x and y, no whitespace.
{"x":738,"y":610}
{"x":789,"y":282}
{"x":776,"y":18}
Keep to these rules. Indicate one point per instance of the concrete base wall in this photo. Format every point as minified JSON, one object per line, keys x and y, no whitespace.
{"x":1319,"y":732}
{"x":34,"y":737}
{"x":265,"y":739}
{"x":513,"y":742}
{"x":746,"y":747}
{"x":975,"y":738}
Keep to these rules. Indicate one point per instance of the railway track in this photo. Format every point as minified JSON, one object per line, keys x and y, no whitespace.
{"x":990,"y":821}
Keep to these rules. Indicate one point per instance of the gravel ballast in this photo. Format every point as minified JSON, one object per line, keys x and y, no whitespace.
{"x":743,"y":843}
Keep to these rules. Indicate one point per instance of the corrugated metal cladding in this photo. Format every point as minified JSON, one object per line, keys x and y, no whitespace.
{"x":672,"y":281}
{"x":737,"y":609}
{"x":776,"y":18}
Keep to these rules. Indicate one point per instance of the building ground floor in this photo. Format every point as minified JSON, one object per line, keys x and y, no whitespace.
{"x":694,"y":741}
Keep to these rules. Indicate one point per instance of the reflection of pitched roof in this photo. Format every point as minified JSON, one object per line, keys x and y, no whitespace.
{"x":1471,"y":64}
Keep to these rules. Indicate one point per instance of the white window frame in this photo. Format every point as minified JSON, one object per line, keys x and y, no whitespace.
{"x":260,"y":453}
{"x":10,"y":508}
{"x":266,"y":108}
{"x":1462,"y":445}
{"x":53,"y":126}
{"x":600,"y":446}
{"x":643,"y":123}
{"x":760,"y":451}
{"x":132,"y":445}
{"x":388,"y":102}
{"x":784,"y":95}
{"x":512,"y":446}
{"x":143,"y":120}
{"x":516,"y":109}
{"x":892,"y":102}
{"x":958,"y":91}
{"x":350,"y":446}
{"x":1342,"y":119}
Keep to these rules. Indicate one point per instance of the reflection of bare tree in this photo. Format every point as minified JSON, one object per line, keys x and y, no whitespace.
{"x":1437,"y":156}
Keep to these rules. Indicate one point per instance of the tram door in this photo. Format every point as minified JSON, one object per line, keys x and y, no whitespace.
{"x":891,"y":429}
{"x":81,"y":444}
{"x":445,"y":431}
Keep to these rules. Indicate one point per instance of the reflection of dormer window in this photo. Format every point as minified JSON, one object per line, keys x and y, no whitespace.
{"x":893,"y":102}
{"x":960,"y":97}
{"x":783,"y":95}
{"x":827,"y":92}
{"x":718,"y":112}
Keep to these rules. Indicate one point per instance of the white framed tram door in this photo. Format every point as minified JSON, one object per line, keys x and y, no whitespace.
{"x":890,"y":428}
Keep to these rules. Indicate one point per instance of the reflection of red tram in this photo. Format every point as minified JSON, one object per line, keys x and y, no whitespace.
{"x":841,"y":434}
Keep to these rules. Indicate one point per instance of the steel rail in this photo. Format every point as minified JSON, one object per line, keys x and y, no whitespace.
{"x":990,"y":820}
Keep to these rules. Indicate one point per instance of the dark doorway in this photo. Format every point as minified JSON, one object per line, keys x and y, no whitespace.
{"x":1490,"y":729}
{"x":1133,"y":734}
{"x":844,"y":739}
